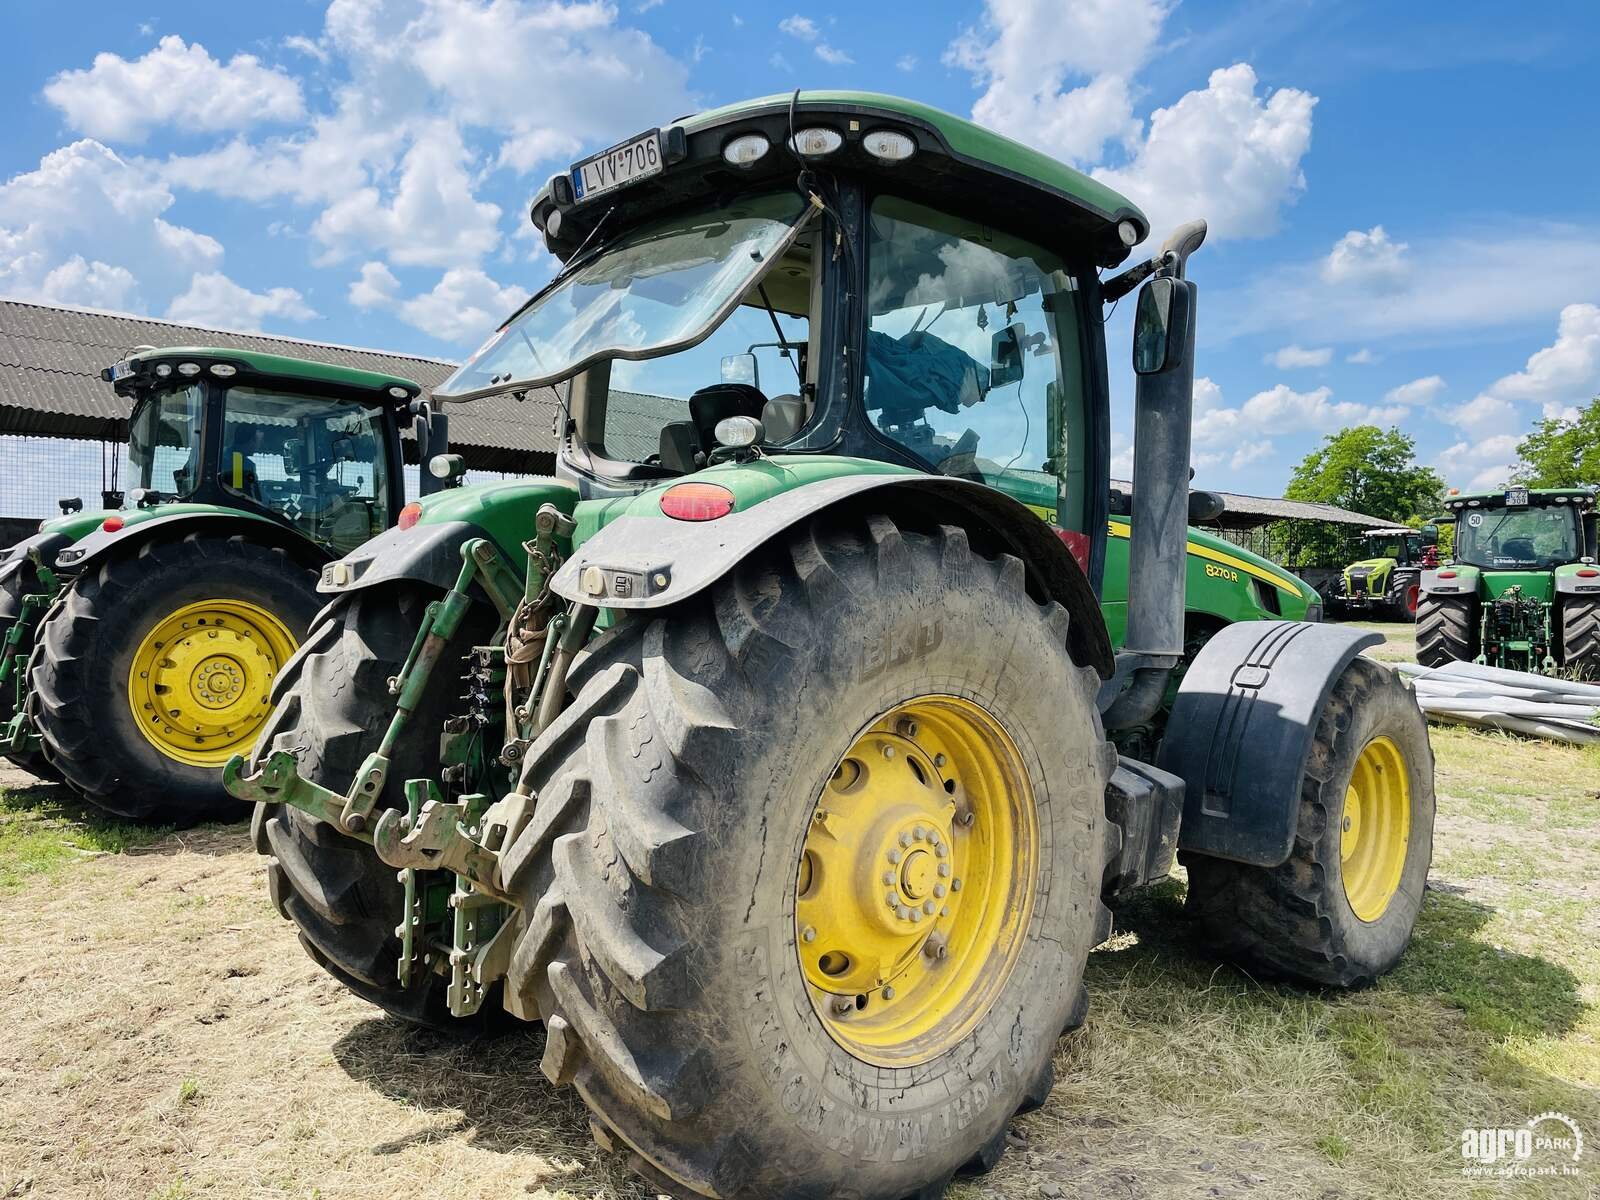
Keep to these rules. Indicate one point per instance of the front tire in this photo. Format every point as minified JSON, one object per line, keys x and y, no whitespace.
{"x":673,"y":940}
{"x":1340,"y":911}
{"x":1447,"y":629}
{"x":157,"y":665}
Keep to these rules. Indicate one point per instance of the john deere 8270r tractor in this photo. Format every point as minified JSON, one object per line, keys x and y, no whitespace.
{"x":781,"y":788}
{"x":1387,"y":581}
{"x":141,"y":642}
{"x":1521,"y":590}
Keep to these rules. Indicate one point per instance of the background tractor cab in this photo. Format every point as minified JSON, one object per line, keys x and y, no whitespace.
{"x":244,"y":473}
{"x":1521,"y":589}
{"x":800,"y":859}
{"x":1387,"y":579}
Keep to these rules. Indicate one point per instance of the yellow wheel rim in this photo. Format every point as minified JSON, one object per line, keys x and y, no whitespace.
{"x":1375,"y":828}
{"x":200,"y":680}
{"x":915,"y":884}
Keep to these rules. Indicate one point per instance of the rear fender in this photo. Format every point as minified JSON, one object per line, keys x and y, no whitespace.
{"x":1241,"y":731}
{"x":651,"y":562}
{"x":100,"y":543}
{"x":1463,"y":582}
{"x":1570,"y":583}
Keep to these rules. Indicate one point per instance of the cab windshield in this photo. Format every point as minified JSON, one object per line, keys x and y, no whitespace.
{"x":1384,"y":547}
{"x":163,"y":453}
{"x":1519,"y":539}
{"x":662,"y":287}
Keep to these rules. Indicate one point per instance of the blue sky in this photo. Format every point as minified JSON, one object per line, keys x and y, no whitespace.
{"x":1402,"y":197}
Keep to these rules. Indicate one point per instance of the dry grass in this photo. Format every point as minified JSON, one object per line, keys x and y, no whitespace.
{"x":166,"y":1038}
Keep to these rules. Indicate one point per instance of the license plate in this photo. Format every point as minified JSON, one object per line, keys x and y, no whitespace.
{"x":633,"y":160}
{"x":1517,"y":497}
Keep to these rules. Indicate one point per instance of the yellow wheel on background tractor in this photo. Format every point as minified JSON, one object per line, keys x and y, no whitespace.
{"x":201,"y":679}
{"x":916,"y":881}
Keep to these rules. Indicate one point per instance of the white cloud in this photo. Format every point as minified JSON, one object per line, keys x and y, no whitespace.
{"x":1371,"y":260}
{"x":1362,"y":357}
{"x":906,"y":62}
{"x":216,"y":301}
{"x":463,"y":307}
{"x":375,"y":287}
{"x":833,"y":56}
{"x":800,"y":27}
{"x":1279,"y":410}
{"x":1249,"y":452}
{"x":429,"y":217}
{"x":1419,"y":391}
{"x":177,"y":84}
{"x":1567,"y":371}
{"x":1058,"y":75}
{"x":1293,"y":357}
{"x":1224,"y":153}
{"x":1482,"y":464}
{"x":311,"y":49}
{"x":86,"y":227}
{"x":779,"y":63}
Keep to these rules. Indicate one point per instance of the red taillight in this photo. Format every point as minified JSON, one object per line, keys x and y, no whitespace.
{"x":1447,"y":574}
{"x":696,"y":502}
{"x":1587,"y":572}
{"x":1078,"y":544}
{"x":112,"y":524}
{"x":410,"y":515}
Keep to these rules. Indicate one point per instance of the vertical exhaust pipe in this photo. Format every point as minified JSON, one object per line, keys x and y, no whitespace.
{"x":1163,"y":359}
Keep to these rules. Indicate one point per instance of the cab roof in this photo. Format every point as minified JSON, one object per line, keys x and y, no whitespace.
{"x":951,"y":151}
{"x":1583,"y":497}
{"x":260,"y":365}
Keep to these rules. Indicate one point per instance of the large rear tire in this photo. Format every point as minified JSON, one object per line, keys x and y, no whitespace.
{"x":1447,"y":629}
{"x":333,"y":705}
{"x":1580,"y":636}
{"x":22,"y":582}
{"x":1340,"y":911}
{"x":669,"y":867}
{"x":156,"y":665}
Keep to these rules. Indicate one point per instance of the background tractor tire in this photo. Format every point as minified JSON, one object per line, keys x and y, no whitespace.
{"x":1407,"y":598}
{"x":82,"y":698}
{"x":660,"y":867}
{"x":1447,"y":629}
{"x":332,"y":708}
{"x":1580,"y":636}
{"x":22,"y":582}
{"x":1298,"y":920}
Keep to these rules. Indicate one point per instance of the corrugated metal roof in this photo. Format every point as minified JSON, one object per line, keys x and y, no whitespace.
{"x":50,"y":385}
{"x":1247,"y":512}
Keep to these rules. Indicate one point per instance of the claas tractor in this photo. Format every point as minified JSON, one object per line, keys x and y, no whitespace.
{"x":780,"y":784}
{"x":141,"y":641}
{"x":1387,"y":581}
{"x":1521,"y":590}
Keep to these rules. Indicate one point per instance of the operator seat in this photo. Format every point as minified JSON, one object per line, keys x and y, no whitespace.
{"x":1520,"y":549}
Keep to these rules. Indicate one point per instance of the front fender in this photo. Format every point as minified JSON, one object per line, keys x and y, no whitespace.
{"x":423,"y":554}
{"x":96,"y":545}
{"x":647,"y":562}
{"x":1241,"y":731}
{"x":45,"y":545}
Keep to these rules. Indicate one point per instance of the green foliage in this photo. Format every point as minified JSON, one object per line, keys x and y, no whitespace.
{"x":1562,"y":453}
{"x":1368,"y":470}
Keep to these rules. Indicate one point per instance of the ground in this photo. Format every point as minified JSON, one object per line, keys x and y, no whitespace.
{"x":165,"y":1037}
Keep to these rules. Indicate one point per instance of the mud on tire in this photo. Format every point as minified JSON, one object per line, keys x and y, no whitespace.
{"x":658,"y":870}
{"x":332,"y":708}
{"x":1294,"y":920}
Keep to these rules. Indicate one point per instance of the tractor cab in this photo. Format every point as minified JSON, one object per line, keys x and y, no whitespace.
{"x":1400,"y":545}
{"x":312,"y":447}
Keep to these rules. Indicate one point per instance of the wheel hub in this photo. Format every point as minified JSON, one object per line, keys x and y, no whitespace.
{"x":1375,"y":828}
{"x":900,"y":960}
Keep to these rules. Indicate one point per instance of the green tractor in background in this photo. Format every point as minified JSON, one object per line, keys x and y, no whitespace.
{"x":1521,"y":590}
{"x":765,"y":756}
{"x":1388,"y":581}
{"x":141,"y":642}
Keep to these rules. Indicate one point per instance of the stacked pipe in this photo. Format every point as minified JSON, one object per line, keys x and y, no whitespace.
{"x":1471,"y":694}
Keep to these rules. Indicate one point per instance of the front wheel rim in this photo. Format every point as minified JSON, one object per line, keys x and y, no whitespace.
{"x":1375,"y":829}
{"x":201,"y":680}
{"x":916,"y":880}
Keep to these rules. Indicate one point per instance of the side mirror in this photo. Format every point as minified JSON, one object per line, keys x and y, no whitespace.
{"x":1005,"y":355}
{"x":1205,"y":506}
{"x":1430,"y":535}
{"x":1160,"y":326}
{"x":741,"y":368}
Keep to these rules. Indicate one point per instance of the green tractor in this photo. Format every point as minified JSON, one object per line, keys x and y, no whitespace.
{"x":140,"y":643}
{"x":765,"y":756}
{"x":1388,"y":580}
{"x":1521,"y":590}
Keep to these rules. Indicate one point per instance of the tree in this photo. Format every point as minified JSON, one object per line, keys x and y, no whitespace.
{"x":1371,"y":471}
{"x":1562,"y":453}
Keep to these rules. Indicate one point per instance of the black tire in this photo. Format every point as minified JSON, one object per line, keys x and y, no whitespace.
{"x":1407,"y":598}
{"x":1447,"y":629}
{"x":333,"y":706}
{"x":1580,"y":636}
{"x":1295,"y":920}
{"x":659,"y":869}
{"x":78,"y":673}
{"x":21,"y":582}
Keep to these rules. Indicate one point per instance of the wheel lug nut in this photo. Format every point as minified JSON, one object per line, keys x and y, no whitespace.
{"x":928,"y":906}
{"x":888,"y":877}
{"x":940,"y":850}
{"x":810,"y":934}
{"x":939,"y":890}
{"x":919,"y":833}
{"x":894,"y":900}
{"x":903,"y":913}
{"x":955,"y":885}
{"x":944,"y":912}
{"x":888,"y":751}
{"x":933,"y":836}
{"x":888,"y":993}
{"x":905,"y":839}
{"x":916,"y":915}
{"x":894,"y":856}
{"x":944,"y":870}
